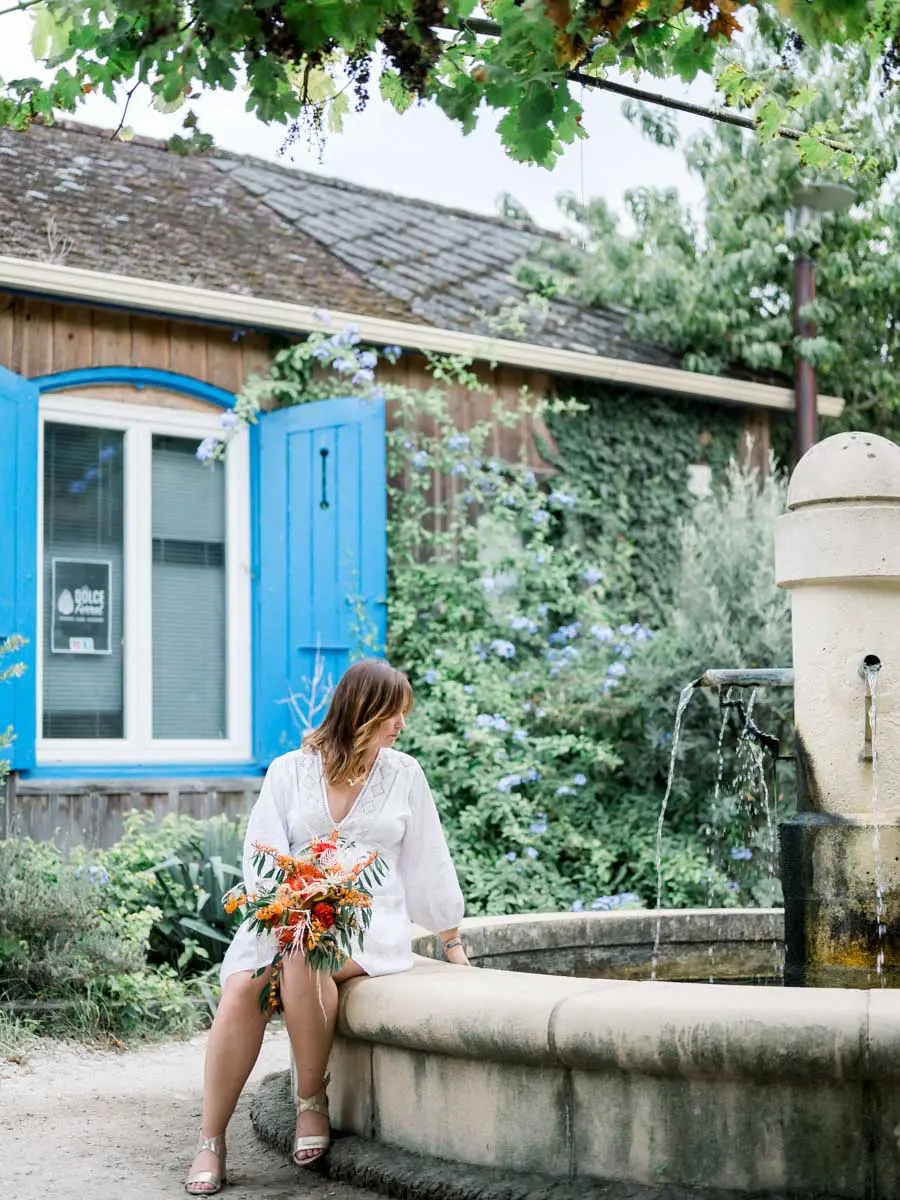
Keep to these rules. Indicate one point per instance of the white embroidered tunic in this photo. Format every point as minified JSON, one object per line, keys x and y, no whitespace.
{"x":395,"y":814}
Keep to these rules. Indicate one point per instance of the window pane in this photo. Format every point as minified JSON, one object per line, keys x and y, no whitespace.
{"x":83,"y":582}
{"x":189,"y":605}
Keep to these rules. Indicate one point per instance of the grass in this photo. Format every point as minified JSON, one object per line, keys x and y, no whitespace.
{"x":17,"y":1039}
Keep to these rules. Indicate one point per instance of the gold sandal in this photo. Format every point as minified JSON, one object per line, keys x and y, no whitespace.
{"x":216,"y":1146}
{"x":319,"y":1141}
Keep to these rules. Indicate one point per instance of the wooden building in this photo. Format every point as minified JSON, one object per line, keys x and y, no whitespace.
{"x":170,"y":609}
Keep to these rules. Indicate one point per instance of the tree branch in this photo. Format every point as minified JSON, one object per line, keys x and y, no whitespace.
{"x":118,"y":129}
{"x":20,"y":7}
{"x":477,"y":25}
{"x":697,"y":110}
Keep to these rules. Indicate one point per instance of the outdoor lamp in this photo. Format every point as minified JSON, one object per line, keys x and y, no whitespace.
{"x":810,"y":201}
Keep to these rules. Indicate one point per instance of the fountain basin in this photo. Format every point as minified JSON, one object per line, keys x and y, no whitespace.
{"x":749,"y":1089}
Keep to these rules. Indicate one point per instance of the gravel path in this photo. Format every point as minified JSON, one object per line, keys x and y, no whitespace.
{"x":103,"y":1125}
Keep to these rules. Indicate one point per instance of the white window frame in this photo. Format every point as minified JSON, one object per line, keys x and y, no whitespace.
{"x":139,"y":423}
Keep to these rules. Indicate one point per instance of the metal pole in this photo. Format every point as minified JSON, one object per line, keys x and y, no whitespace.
{"x":806,"y":426}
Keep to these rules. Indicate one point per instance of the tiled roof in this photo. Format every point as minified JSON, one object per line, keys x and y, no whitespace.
{"x":135,"y":209}
{"x":245,"y":226}
{"x":456,"y":270}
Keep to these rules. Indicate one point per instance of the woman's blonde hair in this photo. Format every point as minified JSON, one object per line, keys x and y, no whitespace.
{"x":368,"y":694}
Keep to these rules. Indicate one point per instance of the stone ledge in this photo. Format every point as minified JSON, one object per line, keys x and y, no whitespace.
{"x":677,"y":1030}
{"x":407,"y":1176}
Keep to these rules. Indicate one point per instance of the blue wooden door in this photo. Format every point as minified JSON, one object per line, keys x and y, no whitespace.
{"x":18,"y":560}
{"x":321,"y":580}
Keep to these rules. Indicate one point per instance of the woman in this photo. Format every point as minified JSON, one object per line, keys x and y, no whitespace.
{"x":347,"y":776}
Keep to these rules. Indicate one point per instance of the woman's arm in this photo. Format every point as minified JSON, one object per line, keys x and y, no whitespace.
{"x":267,"y":824}
{"x":432,"y":889}
{"x":453,"y":948}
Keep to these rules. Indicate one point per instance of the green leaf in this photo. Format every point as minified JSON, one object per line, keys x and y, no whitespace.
{"x":393,"y":90}
{"x":770,"y":116}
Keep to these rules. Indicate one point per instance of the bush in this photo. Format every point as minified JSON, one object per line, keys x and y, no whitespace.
{"x":72,"y":962}
{"x":727,"y":613}
{"x":182,"y":868}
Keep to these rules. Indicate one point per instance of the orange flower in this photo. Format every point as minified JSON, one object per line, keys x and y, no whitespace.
{"x":324,"y":914}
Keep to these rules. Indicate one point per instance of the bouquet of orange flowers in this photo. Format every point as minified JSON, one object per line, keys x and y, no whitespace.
{"x":315,"y":904}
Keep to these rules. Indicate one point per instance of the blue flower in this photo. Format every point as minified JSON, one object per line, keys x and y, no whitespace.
{"x":392,"y":353}
{"x":741,"y":853}
{"x":579,"y":780}
{"x":494,"y":466}
{"x":468,"y":689}
{"x":349,"y":337}
{"x":531,"y":852}
{"x":488,"y":582}
{"x":511,"y":856}
{"x":616,"y":670}
{"x":592,"y":575}
{"x":566,"y":633}
{"x":520,"y":735}
{"x":532,"y":775}
{"x":430,"y":676}
{"x":229,"y":420}
{"x":503,"y":649}
{"x":565,"y":791}
{"x":368,"y":359}
{"x":523,"y":624}
{"x":322,"y":351}
{"x":541,"y":610}
{"x":732,"y":886}
{"x":362,"y":376}
{"x":207,"y":449}
{"x":459,"y":441}
{"x":538,"y":826}
{"x":540,"y":517}
{"x":577,"y":906}
{"x":529,"y":479}
{"x":563,"y":499}
{"x":420,"y":459}
{"x":489,"y":721}
{"x":459,"y":469}
{"x":602,"y":633}
{"x":344,"y":366}
{"x":508,"y":782}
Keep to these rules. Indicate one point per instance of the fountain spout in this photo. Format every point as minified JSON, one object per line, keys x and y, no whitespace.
{"x":716,"y":677}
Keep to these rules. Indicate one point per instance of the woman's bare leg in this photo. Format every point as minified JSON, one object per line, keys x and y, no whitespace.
{"x":233,"y":1048}
{"x":310,"y":1014}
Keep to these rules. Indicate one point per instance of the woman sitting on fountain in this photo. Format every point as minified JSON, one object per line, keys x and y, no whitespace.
{"x":348,"y":777}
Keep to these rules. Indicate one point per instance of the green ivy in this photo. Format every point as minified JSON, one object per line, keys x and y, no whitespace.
{"x":627,"y":454}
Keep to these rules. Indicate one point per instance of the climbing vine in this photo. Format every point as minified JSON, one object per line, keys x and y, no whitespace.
{"x":628,"y":454}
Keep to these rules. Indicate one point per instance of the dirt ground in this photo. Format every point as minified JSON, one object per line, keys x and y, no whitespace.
{"x":106,"y":1124}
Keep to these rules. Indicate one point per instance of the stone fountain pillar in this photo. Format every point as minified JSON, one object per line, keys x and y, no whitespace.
{"x":838,"y":550}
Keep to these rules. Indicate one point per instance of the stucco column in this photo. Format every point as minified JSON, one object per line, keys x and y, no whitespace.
{"x":838,"y":550}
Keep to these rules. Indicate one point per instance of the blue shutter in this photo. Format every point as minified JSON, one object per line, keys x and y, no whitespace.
{"x":18,"y":559}
{"x":321,"y":507}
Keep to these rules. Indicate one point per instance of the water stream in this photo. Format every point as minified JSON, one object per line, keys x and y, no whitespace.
{"x":870,"y":674}
{"x":683,"y":701}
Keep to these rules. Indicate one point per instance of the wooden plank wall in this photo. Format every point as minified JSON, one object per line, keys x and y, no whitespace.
{"x":40,"y":338}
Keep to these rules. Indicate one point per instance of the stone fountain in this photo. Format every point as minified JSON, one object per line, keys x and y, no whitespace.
{"x":838,"y":550}
{"x":560,"y":1058}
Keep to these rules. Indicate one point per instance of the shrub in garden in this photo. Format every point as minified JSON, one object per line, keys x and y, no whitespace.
{"x":74,"y":964}
{"x":727,"y":612}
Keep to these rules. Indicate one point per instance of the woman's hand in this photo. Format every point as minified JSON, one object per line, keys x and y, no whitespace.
{"x":453,"y":949}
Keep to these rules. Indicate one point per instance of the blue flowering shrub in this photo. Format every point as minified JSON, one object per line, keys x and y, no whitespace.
{"x":517,"y":665}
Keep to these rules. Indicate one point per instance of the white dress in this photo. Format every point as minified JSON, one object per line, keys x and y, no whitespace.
{"x":395,"y":814}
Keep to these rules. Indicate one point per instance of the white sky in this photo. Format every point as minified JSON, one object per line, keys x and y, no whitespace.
{"x":420,"y":153}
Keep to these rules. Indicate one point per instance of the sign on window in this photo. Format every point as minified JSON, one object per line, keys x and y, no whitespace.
{"x":81,"y":606}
